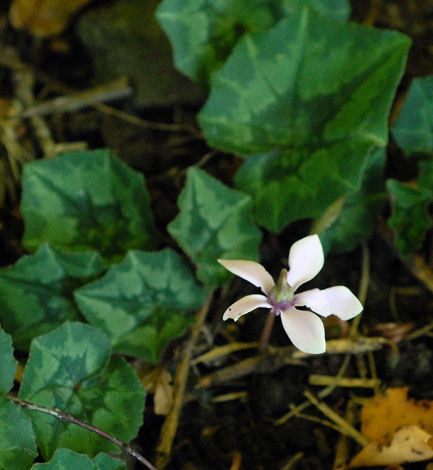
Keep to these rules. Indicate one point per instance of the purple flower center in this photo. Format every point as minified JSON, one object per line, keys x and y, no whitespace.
{"x":281,"y":306}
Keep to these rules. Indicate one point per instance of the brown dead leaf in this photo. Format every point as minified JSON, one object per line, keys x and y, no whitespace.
{"x":43,"y":17}
{"x":409,"y":444}
{"x":386,"y":413}
{"x":158,"y":381}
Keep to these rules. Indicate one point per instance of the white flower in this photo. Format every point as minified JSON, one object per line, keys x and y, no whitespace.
{"x":304,"y":328}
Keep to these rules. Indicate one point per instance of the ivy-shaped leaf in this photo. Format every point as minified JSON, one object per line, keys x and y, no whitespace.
{"x":214,"y":222}
{"x":312,"y":95}
{"x":8,"y":363}
{"x":413,"y":129}
{"x":356,"y":218}
{"x":70,"y":369}
{"x":410,"y":215}
{"x":65,"y":459}
{"x":17,"y":439}
{"x":86,"y":200}
{"x":37,"y":292}
{"x":138,"y":302}
{"x":203,"y":33}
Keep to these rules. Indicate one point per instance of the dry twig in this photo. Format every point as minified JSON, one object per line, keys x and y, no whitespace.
{"x":171,"y":422}
{"x":344,"y":426}
{"x":351,"y":382}
{"x":62,"y":416}
{"x":274,"y":359}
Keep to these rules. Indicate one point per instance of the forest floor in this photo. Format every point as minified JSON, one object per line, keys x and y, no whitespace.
{"x":242,"y":409}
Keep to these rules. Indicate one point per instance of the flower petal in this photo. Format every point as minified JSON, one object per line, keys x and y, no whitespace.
{"x":245,"y":305}
{"x":305,"y":330}
{"x":250,"y":271}
{"x":338,"y":300}
{"x":305,"y":260}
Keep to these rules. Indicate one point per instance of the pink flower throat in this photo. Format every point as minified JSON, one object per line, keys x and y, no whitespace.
{"x":281,"y":306}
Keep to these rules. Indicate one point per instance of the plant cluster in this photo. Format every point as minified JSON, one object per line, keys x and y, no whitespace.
{"x":304,"y":96}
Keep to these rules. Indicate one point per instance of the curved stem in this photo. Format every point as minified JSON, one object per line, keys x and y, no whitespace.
{"x":62,"y":416}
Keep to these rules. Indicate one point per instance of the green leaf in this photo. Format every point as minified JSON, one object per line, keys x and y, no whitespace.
{"x":105,"y":462}
{"x":410,"y":215}
{"x":425,"y":175}
{"x":17,"y":439}
{"x":312,"y":95}
{"x":138,"y":302}
{"x":65,"y":459}
{"x":86,"y":200}
{"x":70,"y":369}
{"x":358,"y":215}
{"x":413,"y":129}
{"x":43,"y":284}
{"x":203,"y":33}
{"x":214,"y":222}
{"x":7,"y":361}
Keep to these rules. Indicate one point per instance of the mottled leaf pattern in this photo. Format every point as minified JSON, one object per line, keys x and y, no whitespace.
{"x":203,"y":33}
{"x":214,"y":222}
{"x":138,"y":302}
{"x":17,"y":439}
{"x":86,"y":200}
{"x":65,"y":459}
{"x":37,"y":292}
{"x":312,"y":95}
{"x":7,"y":361}
{"x":70,"y":369}
{"x":413,"y":129}
{"x":410,"y":215}
{"x":357,"y":218}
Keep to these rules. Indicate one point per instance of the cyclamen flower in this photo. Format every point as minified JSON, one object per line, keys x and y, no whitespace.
{"x":303,"y":327}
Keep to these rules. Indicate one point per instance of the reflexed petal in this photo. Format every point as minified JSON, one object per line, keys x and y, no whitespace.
{"x":305,"y":260}
{"x":250,"y":271}
{"x":245,"y":305}
{"x":338,"y":300}
{"x":305,"y":330}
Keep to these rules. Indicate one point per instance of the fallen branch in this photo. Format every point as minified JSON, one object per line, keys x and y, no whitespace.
{"x":62,"y":416}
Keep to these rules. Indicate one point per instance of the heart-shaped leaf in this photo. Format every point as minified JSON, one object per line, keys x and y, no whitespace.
{"x":86,"y":200}
{"x":138,"y":302}
{"x":65,"y":459}
{"x":413,"y":129}
{"x":410,"y":215}
{"x":70,"y":369}
{"x":312,"y":95}
{"x":203,"y":33}
{"x":17,"y":439}
{"x":356,"y":218}
{"x":8,"y":363}
{"x":214,"y":222}
{"x":43,"y":284}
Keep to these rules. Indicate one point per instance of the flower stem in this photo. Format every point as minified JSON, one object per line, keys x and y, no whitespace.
{"x":266,"y":333}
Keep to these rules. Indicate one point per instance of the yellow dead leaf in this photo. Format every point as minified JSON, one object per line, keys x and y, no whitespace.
{"x":159,"y":382}
{"x":386,"y":413}
{"x":43,"y":17}
{"x":409,"y":444}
